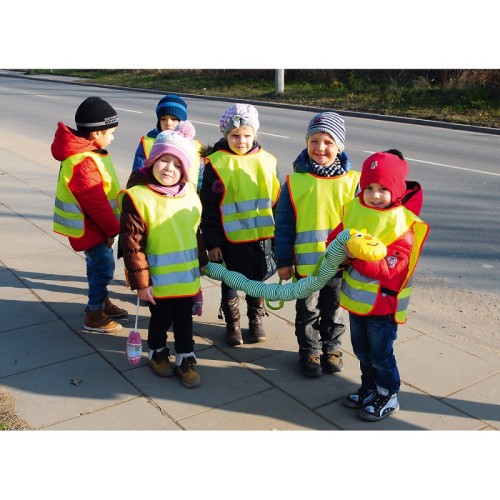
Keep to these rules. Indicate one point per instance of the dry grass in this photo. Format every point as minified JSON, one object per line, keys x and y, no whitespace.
{"x":9,"y":421}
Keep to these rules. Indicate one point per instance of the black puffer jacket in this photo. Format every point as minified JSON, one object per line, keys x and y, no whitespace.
{"x":255,"y":259}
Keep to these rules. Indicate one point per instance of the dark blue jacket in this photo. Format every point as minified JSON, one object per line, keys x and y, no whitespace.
{"x":139,"y":157}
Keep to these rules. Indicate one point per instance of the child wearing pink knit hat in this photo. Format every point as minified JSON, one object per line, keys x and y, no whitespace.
{"x":162,"y":248}
{"x":240,"y":187}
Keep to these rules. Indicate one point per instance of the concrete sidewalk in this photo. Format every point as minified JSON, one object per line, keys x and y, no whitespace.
{"x":43,"y":286}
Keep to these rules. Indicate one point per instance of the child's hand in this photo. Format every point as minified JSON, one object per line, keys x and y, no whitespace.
{"x":285,"y":273}
{"x":146,"y":294}
{"x":349,"y":254}
{"x":215,"y":254}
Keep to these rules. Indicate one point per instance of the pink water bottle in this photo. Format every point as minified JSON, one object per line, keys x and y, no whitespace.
{"x":134,"y":342}
{"x":134,"y":347}
{"x":197,"y":308}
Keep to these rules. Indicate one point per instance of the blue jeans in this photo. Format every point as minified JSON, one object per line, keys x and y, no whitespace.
{"x":372,"y":339}
{"x":319,"y":321}
{"x":100,"y":269}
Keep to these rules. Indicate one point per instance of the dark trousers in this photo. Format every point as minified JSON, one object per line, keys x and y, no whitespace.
{"x":319,"y":321}
{"x":176,"y":313}
{"x":372,"y":340}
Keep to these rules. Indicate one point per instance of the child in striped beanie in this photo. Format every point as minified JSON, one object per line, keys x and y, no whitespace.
{"x":309,"y":206}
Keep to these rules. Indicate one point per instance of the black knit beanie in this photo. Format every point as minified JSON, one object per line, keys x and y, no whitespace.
{"x":95,"y":114}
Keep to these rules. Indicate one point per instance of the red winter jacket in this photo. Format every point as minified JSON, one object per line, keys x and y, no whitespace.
{"x":87,"y":186}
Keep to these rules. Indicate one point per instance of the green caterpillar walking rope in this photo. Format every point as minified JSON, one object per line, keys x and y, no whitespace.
{"x":359,"y":243}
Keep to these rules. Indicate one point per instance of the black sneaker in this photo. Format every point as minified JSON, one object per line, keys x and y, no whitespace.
{"x":360,"y":399}
{"x":310,"y":366}
{"x":382,"y":407}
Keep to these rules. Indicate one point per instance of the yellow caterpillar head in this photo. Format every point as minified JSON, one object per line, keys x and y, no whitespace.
{"x":364,"y":246}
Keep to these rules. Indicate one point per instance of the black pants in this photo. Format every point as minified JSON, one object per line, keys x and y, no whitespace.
{"x":175,"y":313}
{"x":245,"y":258}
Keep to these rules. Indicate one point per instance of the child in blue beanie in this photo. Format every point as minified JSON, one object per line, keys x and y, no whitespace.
{"x":170,"y":111}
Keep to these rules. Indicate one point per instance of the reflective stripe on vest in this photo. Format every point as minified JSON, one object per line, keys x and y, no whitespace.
{"x":69,"y":219}
{"x":251,"y":189}
{"x":358,"y":292}
{"x":171,"y":245}
{"x":317,"y":203}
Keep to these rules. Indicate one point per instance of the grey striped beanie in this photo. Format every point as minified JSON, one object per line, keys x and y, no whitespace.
{"x":332,"y":124}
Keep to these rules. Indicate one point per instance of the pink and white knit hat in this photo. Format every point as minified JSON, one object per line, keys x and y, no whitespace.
{"x":238,"y":115}
{"x":179,"y":143}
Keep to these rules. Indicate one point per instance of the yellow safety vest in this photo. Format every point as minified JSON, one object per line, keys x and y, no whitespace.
{"x":317,"y":203}
{"x":194,"y":169}
{"x":69,"y":219}
{"x":171,"y":246}
{"x":251,"y":189}
{"x":358,"y":292}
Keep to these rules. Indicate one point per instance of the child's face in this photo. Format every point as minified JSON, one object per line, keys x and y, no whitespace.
{"x":322,"y":149}
{"x":167,"y":170}
{"x":168,"y":122}
{"x":240,"y":139}
{"x":103,"y":138}
{"x":377,"y":196}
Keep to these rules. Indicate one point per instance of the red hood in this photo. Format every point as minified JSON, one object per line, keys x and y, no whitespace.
{"x":66,"y":143}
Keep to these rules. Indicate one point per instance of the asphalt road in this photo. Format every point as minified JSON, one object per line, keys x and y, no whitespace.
{"x":458,"y":169}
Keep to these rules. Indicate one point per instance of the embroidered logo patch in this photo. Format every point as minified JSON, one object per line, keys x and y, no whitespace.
{"x":374,"y":165}
{"x":391,"y":261}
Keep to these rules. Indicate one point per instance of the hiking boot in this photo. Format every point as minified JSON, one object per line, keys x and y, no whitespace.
{"x":332,"y":362}
{"x":310,"y":366}
{"x":97,"y":321}
{"x":255,"y":312}
{"x":161,"y":364}
{"x":360,"y":399}
{"x":232,"y":335}
{"x":189,"y":376}
{"x":114,"y":311}
{"x":381,"y":407}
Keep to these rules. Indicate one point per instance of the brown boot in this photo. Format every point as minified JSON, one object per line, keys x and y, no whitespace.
{"x":231,"y":311}
{"x":97,"y":321}
{"x":113,"y":311}
{"x":255,"y":312}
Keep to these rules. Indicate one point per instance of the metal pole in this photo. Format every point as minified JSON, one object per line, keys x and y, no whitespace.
{"x":279,"y":81}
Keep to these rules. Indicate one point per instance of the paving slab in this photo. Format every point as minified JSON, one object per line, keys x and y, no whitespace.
{"x":138,"y":414}
{"x":46,"y":396}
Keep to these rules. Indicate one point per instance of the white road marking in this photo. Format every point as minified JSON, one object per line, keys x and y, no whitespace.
{"x":447,"y":166}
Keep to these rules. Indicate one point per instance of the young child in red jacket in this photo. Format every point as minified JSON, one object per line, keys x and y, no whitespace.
{"x":377,"y":293}
{"x":85,"y":207}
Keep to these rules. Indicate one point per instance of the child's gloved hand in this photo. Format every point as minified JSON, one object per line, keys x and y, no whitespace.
{"x":198,"y":304}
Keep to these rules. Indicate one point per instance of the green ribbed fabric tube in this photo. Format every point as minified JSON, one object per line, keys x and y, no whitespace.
{"x":326,"y":268}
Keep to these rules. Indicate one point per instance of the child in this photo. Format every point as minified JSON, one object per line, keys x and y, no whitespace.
{"x":309,"y":208}
{"x":240,"y":187}
{"x":162,"y":252}
{"x":376,"y":294}
{"x":85,"y":207}
{"x":170,"y":110}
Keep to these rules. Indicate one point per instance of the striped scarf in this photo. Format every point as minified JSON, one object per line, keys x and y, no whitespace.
{"x":333,"y":170}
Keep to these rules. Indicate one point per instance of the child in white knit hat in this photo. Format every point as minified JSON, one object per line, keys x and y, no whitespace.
{"x":239,"y":190}
{"x":162,"y":249}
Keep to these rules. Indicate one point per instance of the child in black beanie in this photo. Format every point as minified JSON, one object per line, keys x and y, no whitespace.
{"x":85,"y":204}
